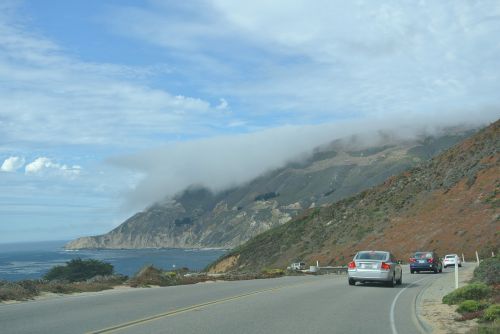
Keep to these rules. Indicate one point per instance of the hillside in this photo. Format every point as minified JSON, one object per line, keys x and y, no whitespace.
{"x":448,"y":204}
{"x":199,"y":218}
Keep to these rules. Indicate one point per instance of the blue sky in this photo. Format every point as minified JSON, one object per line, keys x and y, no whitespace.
{"x":108,"y":106}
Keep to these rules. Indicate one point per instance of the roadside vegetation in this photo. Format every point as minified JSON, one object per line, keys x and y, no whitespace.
{"x":481,"y":298}
{"x":93,"y":275}
{"x":75,"y":276}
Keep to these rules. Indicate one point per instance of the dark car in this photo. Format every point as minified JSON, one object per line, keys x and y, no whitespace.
{"x":425,"y":261}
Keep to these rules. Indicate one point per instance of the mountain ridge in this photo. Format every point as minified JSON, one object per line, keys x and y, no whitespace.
{"x":449,"y":204}
{"x":199,"y":218}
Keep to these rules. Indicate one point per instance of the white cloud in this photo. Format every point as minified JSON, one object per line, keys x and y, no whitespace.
{"x":328,"y":59}
{"x":45,"y":166}
{"x":86,"y":103}
{"x":223,"y":105}
{"x":12,"y":164}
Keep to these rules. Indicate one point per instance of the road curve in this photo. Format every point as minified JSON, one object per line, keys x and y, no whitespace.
{"x":301,"y":304}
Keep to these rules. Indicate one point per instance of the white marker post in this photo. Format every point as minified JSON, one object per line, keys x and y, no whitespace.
{"x":456,"y":272}
{"x":463,"y":258}
{"x":477,"y":258}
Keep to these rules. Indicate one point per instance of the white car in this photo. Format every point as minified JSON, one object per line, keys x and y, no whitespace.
{"x":449,"y":260}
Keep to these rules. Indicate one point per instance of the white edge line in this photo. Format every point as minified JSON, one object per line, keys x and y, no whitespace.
{"x":393,"y":306}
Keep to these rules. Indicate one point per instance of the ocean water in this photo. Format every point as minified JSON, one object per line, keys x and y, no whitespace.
{"x":20,"y":261}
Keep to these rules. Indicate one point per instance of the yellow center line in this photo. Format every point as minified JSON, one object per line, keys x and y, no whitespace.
{"x":189,"y":308}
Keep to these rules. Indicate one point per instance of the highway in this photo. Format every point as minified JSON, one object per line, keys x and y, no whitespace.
{"x":297,"y":304}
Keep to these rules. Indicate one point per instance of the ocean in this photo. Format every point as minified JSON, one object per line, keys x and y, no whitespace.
{"x":19,"y":261}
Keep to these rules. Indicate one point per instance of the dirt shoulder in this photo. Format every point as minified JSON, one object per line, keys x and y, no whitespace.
{"x":439,"y":317}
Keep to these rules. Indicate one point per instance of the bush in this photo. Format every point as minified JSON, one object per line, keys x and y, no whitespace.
{"x":468,"y":306}
{"x":78,"y":270}
{"x":150,"y":275}
{"x":488,"y":271}
{"x":475,"y":291}
{"x":492,"y":313}
{"x":17,"y":291}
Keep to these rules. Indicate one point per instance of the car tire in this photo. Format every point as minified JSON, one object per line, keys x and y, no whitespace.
{"x":392,"y":282}
{"x":412,"y":271}
{"x":400,"y":280}
{"x":460,"y":265}
{"x":352,"y":282}
{"x":441,"y":269}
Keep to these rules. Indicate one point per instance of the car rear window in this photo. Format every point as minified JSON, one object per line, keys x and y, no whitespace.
{"x":372,"y":256}
{"x":423,"y":255}
{"x":450,"y":256}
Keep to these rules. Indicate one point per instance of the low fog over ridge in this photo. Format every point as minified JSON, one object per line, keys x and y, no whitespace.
{"x":222,"y":162}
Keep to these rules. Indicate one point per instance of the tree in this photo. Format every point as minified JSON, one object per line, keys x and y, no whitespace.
{"x":78,"y":270}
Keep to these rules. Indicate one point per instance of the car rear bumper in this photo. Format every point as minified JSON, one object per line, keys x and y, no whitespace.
{"x":369,"y":275}
{"x":423,"y":267}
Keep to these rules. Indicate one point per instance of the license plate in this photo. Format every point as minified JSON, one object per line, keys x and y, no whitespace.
{"x":368,"y":266}
{"x":421,"y":261}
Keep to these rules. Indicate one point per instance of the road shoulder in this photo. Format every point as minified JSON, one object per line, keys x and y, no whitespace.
{"x":438,"y":318}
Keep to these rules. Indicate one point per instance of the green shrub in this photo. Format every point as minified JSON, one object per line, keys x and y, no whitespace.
{"x":492,"y":313}
{"x":488,"y":271}
{"x":78,"y":270}
{"x":475,"y":291}
{"x":468,"y":306}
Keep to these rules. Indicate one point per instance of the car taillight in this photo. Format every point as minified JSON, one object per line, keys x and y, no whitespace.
{"x":352,"y":265}
{"x":430,"y":260}
{"x":385,"y":266}
{"x":412,"y":259}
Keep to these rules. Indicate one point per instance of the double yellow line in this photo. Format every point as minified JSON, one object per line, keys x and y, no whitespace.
{"x":189,"y":308}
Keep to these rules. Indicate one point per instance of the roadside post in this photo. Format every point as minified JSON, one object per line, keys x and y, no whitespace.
{"x":463,"y":258}
{"x":477,"y":258}
{"x":456,"y":272}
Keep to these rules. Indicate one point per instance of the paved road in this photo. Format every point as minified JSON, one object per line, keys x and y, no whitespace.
{"x":303,"y":304}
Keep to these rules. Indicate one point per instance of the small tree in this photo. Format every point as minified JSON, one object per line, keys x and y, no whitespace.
{"x":78,"y":270}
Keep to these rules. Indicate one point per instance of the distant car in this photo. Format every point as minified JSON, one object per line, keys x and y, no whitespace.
{"x":425,"y":261}
{"x":450,"y":259}
{"x":375,"y":266}
{"x":297,"y":266}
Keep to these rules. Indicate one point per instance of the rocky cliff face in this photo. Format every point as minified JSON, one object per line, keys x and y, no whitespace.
{"x":200,"y":218}
{"x":449,"y":204}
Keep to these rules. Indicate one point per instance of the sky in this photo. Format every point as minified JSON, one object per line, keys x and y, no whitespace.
{"x":109,"y":106}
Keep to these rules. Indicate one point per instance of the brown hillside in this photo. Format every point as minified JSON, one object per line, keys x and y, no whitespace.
{"x":449,"y":204}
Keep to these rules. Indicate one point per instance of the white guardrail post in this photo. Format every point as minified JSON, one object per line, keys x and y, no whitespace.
{"x":456,"y":272}
{"x":477,"y":258}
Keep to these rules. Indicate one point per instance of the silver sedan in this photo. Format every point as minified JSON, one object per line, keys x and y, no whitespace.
{"x":375,"y":266}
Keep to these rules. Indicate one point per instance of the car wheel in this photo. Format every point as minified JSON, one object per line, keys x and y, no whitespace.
{"x":392,"y":283}
{"x":435,"y":270}
{"x":460,"y":265}
{"x":352,"y":282}
{"x":412,"y":271}
{"x":400,"y":280}
{"x":441,"y":269}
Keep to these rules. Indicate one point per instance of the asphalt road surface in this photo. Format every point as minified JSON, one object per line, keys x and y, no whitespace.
{"x":300,"y":304}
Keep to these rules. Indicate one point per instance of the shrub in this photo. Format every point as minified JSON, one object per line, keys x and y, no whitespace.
{"x":273,"y":272}
{"x":150,"y":275}
{"x":492,"y":313}
{"x":17,"y":291}
{"x":78,"y":270}
{"x":468,"y":306}
{"x":475,"y":291}
{"x":488,"y":271}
